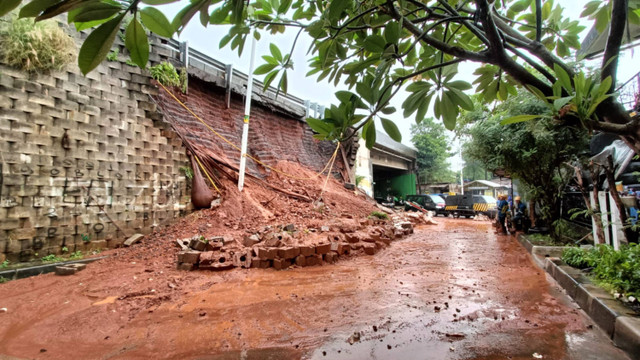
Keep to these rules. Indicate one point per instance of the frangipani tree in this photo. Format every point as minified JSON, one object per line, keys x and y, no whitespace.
{"x":378,"y":47}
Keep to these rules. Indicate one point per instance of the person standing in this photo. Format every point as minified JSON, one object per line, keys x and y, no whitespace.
{"x":503,"y":208}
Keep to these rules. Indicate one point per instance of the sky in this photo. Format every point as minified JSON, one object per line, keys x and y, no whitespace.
{"x":207,"y":39}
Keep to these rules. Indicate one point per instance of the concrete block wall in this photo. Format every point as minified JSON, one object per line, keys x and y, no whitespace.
{"x":84,"y":161}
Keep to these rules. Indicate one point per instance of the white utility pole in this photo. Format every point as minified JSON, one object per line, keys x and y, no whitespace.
{"x":247,"y":113}
{"x":461,"y":168}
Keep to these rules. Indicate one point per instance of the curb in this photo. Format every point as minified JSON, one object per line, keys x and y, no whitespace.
{"x":22,"y":273}
{"x":622,"y":326}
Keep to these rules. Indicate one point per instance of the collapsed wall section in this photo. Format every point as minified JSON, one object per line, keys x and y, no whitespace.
{"x":273,"y":136}
{"x":84,"y":161}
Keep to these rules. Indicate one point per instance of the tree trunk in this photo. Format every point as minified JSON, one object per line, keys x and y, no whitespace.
{"x":629,"y":234}
{"x":596,"y":213}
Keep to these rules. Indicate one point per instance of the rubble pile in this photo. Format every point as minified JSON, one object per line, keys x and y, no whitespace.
{"x":285,"y":246}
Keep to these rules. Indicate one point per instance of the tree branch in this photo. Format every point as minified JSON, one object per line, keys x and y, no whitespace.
{"x":614,"y":41}
{"x":538,"y":20}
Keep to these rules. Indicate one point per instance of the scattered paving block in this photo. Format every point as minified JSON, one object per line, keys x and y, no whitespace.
{"x":63,"y":270}
{"x":312,"y":260}
{"x":373,"y":236}
{"x":352,"y":238}
{"x":289,"y":227}
{"x":330,"y":257}
{"x":185,"y":267}
{"x":323,"y":248}
{"x":242,"y":259}
{"x":267,"y":253}
{"x":340,"y":248}
{"x":189,"y":257}
{"x":264,"y":264}
{"x":181,"y":244}
{"x":335,"y":237}
{"x":133,"y":239}
{"x":369,"y":249}
{"x":355,"y":246}
{"x":197,"y":244}
{"x":255,"y":262}
{"x":280,"y":264}
{"x":301,"y":260}
{"x":288,"y":252}
{"x":406,"y":225}
{"x":250,"y":241}
{"x":324,"y":228}
{"x":307,"y":250}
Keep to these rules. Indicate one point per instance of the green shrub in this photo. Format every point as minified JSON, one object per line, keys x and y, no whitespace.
{"x":113,"y":56}
{"x":578,"y":257}
{"x":379,"y":215}
{"x":167,"y":75}
{"x":51,"y":258}
{"x":617,"y":270}
{"x":31,"y":46}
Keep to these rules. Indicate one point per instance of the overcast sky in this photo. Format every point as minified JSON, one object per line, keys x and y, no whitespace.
{"x":207,"y":39}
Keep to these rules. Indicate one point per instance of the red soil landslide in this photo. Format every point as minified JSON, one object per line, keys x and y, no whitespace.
{"x":450,"y":291}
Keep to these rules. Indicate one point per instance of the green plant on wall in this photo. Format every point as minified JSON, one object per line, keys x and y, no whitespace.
{"x":33,"y":46}
{"x":113,"y":56}
{"x":166,"y":74}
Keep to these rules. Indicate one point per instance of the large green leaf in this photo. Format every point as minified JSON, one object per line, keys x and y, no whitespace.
{"x":392,"y":32}
{"x":563,"y":77}
{"x":319,"y":126}
{"x":158,"y":2}
{"x":518,"y":118}
{"x":98,"y":44}
{"x":137,"y":43}
{"x":391,"y":129}
{"x":94,"y":11}
{"x":154,"y":20}
{"x":7,"y":5}
{"x":369,"y":134}
{"x":263,"y":69}
{"x":336,"y":8}
{"x":36,"y":7}
{"x":374,"y":43}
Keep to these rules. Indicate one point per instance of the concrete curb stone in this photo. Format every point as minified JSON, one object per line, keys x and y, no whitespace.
{"x":605,"y":311}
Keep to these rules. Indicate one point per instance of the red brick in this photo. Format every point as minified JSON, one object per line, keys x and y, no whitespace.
{"x":330,"y":257}
{"x":369,"y":249}
{"x":301,"y":260}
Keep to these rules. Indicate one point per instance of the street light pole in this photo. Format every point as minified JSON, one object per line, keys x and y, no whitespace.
{"x":247,"y":113}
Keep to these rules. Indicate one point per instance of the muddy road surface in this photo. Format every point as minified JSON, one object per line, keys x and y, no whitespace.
{"x":450,"y":291}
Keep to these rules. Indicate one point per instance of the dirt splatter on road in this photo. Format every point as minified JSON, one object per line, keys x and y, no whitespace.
{"x":451,"y":291}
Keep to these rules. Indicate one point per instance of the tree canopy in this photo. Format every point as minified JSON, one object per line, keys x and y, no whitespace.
{"x":378,"y":47}
{"x":534,"y":152}
{"x":434,"y":149}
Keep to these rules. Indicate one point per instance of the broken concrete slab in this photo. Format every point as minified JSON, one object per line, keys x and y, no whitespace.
{"x":133,"y":239}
